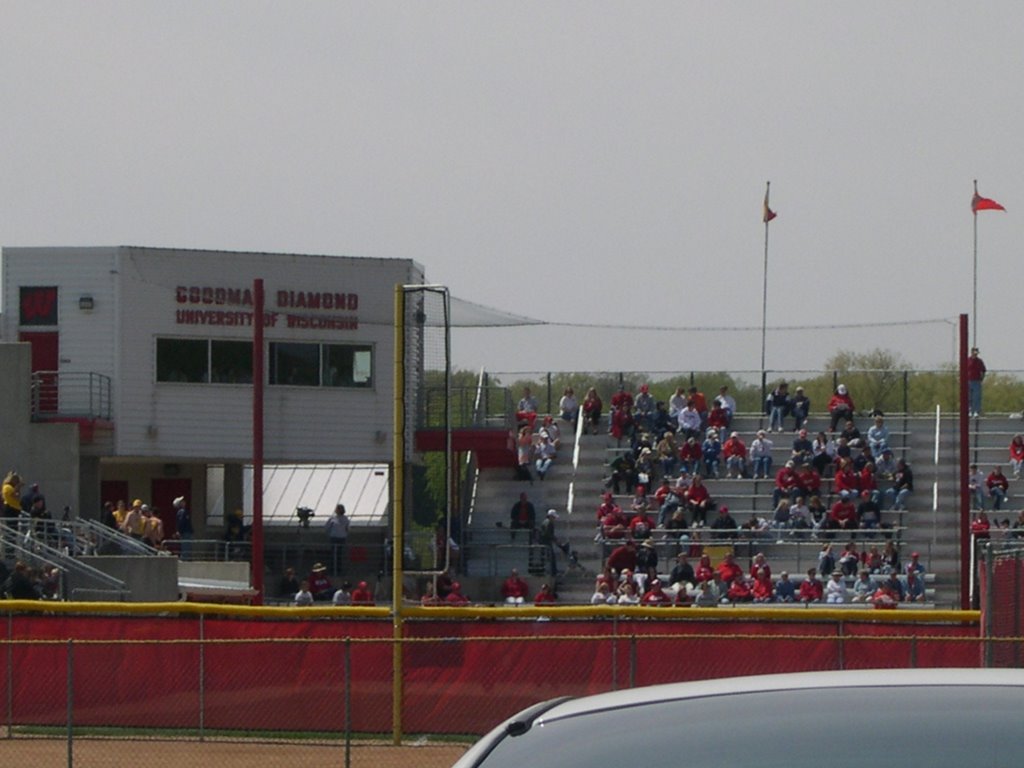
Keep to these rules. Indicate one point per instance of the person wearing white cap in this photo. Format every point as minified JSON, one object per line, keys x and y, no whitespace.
{"x":546,"y":536}
{"x":840,"y":407}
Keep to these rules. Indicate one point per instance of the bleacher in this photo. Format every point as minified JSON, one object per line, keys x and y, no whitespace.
{"x":929,"y":525}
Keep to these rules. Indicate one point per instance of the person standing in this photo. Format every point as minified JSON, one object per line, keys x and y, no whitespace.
{"x":337,"y":533}
{"x":183,"y":521}
{"x":976,"y":371}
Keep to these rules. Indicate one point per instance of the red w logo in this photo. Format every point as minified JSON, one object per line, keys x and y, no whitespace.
{"x":39,"y":306}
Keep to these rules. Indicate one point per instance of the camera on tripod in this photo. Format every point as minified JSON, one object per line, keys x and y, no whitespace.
{"x":304,"y":513}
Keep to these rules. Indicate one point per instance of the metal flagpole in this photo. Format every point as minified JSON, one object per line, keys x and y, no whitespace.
{"x":974,"y":305}
{"x":767,"y":216}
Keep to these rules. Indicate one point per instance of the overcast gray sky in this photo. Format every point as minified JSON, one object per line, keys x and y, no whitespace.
{"x":585,"y":162}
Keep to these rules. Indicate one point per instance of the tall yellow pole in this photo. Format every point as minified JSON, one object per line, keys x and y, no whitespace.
{"x":398,"y":516}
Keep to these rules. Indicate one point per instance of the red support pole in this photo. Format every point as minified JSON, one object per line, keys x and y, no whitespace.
{"x":257,"y":441}
{"x":965,"y":497}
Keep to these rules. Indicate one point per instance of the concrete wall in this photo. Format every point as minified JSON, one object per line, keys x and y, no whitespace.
{"x":44,"y":453}
{"x":149,"y":579}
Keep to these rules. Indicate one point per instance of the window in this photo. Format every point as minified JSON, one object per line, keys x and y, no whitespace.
{"x":231,"y":362}
{"x":296,"y":365}
{"x":347,"y":366}
{"x":321,"y":365}
{"x":184,"y":360}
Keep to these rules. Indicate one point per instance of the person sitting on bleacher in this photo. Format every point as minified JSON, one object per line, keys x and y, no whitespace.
{"x":718,"y":417}
{"x":800,"y":409}
{"x":621,"y":405}
{"x":863,"y":587}
{"x":603,"y":594}
{"x":878,"y":436}
{"x":843,"y":515}
{"x":785,"y":590}
{"x":656,"y":595}
{"x":818,"y":511}
{"x":567,"y":406}
{"x":641,"y":526}
{"x":682,"y":576}
{"x":914,"y":588}
{"x":755,"y":526}
{"x":885,"y":465}
{"x":729,"y":569}
{"x":867,"y":483}
{"x":662,"y":422}
{"x":850,"y":432}
{"x":895,"y":585}
{"x":690,"y":456}
{"x":645,"y":466}
{"x":761,"y":455}
{"x":835,"y":590}
{"x":644,"y":407}
{"x":803,"y":448}
{"x":902,"y":486}
{"x":763,"y":591}
{"x":1018,"y":526}
{"x":735,"y":452}
{"x":759,"y":562}
{"x":782,"y":518}
{"x":849,"y":560}
{"x":621,"y":419}
{"x":890,"y":558}
{"x":667,"y":453}
{"x":863,"y":458}
{"x":811,"y":588}
{"x":915,"y":564}
{"x":614,"y":525}
{"x":514,"y":590}
{"x":787,"y":484}
{"x":884,"y":597}
{"x":623,"y":473}
{"x":997,"y":484}
{"x":799,"y":514}
{"x":869,"y":513}
{"x":552,"y":431}
{"x":840,"y":407}
{"x":607,"y":505}
{"x":711,"y":450}
{"x":846,"y":478}
{"x":739,"y":591}
{"x":689,"y":421}
{"x":824,"y":453}
{"x":526,"y":410}
{"x":704,"y":570}
{"x":724,"y":525}
{"x":627,"y":594}
{"x":698,"y":500}
{"x":1017,"y":455}
{"x":592,"y":406}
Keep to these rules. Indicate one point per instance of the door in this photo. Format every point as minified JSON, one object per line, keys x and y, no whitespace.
{"x":45,"y":362}
{"x":163,"y":492}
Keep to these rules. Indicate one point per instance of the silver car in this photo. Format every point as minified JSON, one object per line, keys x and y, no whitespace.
{"x":936,"y":718}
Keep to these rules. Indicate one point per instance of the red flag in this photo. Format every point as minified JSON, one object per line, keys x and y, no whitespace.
{"x":979,"y":203}
{"x":768,"y":214}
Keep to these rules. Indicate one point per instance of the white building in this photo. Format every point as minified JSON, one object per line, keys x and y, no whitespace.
{"x":149,"y":351}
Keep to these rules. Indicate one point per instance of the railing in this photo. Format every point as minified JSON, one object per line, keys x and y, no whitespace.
{"x":890,"y":390}
{"x":70,"y":394}
{"x":486,"y":406}
{"x":49,"y":544}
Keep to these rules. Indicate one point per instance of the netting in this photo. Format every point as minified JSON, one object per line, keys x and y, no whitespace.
{"x":429,"y":525}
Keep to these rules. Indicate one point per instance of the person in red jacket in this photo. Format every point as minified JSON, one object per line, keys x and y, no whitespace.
{"x":622,"y":558}
{"x":1017,"y":455}
{"x":840,"y":407}
{"x":787,"y":484}
{"x":729,"y":569}
{"x":763,"y":591}
{"x":320,"y":584}
{"x":811,"y":589}
{"x":698,"y":500}
{"x":514,"y":590}
{"x":704,"y":571}
{"x":975,"y":374}
{"x":735,"y":452}
{"x":362,"y":595}
{"x":847,"y":478}
{"x":656,"y":595}
{"x":739,"y":591}
{"x":546,"y":595}
{"x":843,"y":515}
{"x":455,"y":597}
{"x":996,"y":482}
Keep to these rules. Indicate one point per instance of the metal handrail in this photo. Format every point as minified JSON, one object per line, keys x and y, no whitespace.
{"x":27,"y":546}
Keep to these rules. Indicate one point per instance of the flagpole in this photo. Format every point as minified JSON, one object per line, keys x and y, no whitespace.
{"x":764,"y":298}
{"x":974,"y":306}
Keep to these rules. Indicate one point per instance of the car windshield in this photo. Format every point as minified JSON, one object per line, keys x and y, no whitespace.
{"x":934,"y":726}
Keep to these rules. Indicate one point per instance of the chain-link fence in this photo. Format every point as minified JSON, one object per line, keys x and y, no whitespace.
{"x":179,"y":690}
